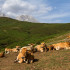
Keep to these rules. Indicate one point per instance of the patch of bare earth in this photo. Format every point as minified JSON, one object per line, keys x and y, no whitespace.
{"x":51,"y":60}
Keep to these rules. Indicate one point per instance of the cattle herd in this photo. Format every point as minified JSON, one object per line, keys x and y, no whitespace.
{"x":26,"y":53}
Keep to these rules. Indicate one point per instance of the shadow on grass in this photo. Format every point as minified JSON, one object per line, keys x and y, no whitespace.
{"x":36,"y":60}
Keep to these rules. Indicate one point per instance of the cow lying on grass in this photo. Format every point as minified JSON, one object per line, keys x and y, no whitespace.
{"x":21,"y":56}
{"x":29,"y":47}
{"x":41,"y":48}
{"x":8,"y":50}
{"x":58,"y":46}
{"x":2,"y":54}
{"x":16,"y":49}
{"x":50,"y":47}
{"x":25,"y":56}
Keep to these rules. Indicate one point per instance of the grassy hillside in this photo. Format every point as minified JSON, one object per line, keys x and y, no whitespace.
{"x":13,"y":32}
{"x":50,"y":60}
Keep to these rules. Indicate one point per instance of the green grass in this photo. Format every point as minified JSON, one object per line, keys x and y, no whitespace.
{"x":13,"y":32}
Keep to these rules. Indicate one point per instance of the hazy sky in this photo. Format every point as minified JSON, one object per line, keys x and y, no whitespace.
{"x":47,"y":11}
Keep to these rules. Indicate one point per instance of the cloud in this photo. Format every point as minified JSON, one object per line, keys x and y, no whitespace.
{"x":29,"y":7}
{"x":1,"y":4}
{"x":42,"y":10}
{"x":55,"y":21}
{"x":54,"y":16}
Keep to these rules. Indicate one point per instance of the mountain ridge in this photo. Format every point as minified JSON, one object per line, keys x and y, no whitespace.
{"x":27,"y":18}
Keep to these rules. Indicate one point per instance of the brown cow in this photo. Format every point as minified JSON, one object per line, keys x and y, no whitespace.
{"x":42,"y":47}
{"x":58,"y":46}
{"x":25,"y":56}
{"x":14,"y":50}
{"x":29,"y":57}
{"x":21,"y":56}
{"x":51,"y":47}
{"x":8,"y":50}
{"x":29,"y":47}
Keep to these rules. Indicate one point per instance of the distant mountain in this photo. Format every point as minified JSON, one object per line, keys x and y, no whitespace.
{"x":27,"y":18}
{"x":22,"y":18}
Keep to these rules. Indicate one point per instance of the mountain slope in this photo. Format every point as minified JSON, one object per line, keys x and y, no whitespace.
{"x":13,"y":32}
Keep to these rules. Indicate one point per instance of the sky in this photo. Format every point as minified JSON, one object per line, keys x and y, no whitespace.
{"x":45,"y":11}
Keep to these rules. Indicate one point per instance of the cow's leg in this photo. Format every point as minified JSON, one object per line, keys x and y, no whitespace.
{"x":27,"y":61}
{"x":7,"y":52}
{"x":20,"y":60}
{"x":49,"y":48}
{"x":45,"y":49}
{"x":31,"y":61}
{"x":57,"y":48}
{"x":67,"y":48}
{"x":16,"y":60}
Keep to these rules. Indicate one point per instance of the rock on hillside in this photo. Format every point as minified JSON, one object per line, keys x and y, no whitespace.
{"x":2,"y":15}
{"x":21,"y":18}
{"x":27,"y":18}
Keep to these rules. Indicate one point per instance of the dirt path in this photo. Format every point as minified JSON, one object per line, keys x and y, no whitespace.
{"x":7,"y":62}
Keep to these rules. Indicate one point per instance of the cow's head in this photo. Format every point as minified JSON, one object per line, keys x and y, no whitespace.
{"x":18,"y":48}
{"x":43,"y":44}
